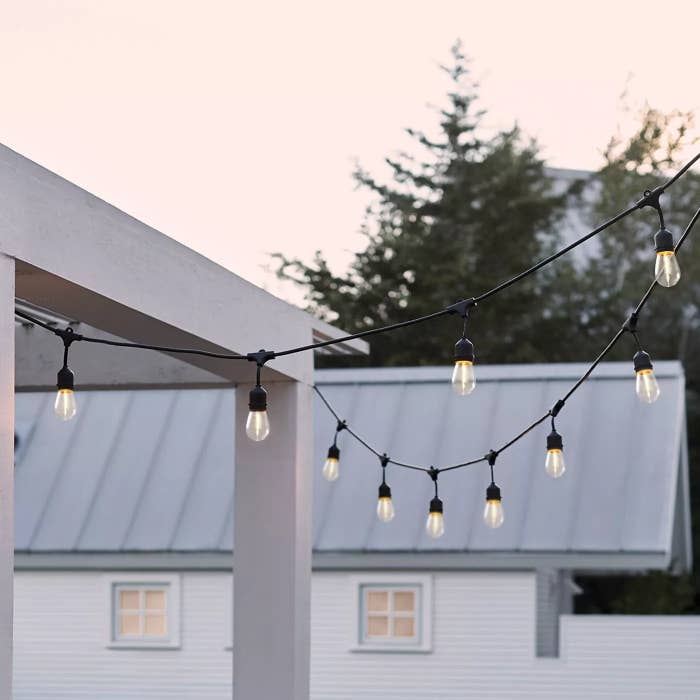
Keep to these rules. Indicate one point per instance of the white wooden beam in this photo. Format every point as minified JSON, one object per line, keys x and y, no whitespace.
{"x":272,"y":548}
{"x":7,"y":468}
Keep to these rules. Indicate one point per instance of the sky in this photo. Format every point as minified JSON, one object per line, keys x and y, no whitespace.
{"x":234,"y":127}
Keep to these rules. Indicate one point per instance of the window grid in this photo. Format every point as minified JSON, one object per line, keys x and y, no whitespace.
{"x":391,"y":614}
{"x":141,"y":612}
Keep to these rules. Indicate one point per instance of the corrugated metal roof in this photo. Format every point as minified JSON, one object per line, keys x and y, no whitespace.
{"x":152,"y":470}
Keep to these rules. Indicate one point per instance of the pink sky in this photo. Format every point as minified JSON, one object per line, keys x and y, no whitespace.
{"x":233,"y":126}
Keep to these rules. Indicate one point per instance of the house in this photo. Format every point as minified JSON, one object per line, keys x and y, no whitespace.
{"x":125,"y":526}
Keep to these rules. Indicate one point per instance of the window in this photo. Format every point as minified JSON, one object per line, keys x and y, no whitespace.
{"x":393,"y":615}
{"x":144,"y":611}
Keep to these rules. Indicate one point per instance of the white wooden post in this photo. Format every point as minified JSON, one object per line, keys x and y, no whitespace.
{"x":7,"y":466}
{"x":272,"y":548}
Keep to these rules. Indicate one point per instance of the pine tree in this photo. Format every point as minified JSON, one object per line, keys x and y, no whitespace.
{"x":473,"y":211}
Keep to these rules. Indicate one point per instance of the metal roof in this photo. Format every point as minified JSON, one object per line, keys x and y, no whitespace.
{"x":151,"y":471}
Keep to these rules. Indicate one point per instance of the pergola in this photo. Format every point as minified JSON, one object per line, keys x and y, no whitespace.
{"x":64,"y":250}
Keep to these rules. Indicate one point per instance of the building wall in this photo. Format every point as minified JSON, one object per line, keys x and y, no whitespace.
{"x":483,"y":645}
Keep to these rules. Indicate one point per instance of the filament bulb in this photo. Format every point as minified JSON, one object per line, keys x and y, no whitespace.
{"x":435,"y":525}
{"x":65,"y":406}
{"x":331,"y":467}
{"x":257,"y":426}
{"x":554,"y":463}
{"x":647,"y":386}
{"x":385,"y":506}
{"x":667,"y":272}
{"x":493,"y":512}
{"x":463,"y":377}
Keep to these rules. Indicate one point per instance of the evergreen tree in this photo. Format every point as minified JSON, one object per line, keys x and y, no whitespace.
{"x":472,"y":212}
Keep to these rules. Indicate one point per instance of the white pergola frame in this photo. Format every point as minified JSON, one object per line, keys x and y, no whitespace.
{"x":63,"y":249}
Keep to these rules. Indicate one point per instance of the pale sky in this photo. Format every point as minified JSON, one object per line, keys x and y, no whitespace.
{"x":233,"y":126}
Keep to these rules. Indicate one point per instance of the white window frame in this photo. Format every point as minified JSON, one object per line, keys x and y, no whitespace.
{"x":171,"y":582}
{"x":423,"y":585}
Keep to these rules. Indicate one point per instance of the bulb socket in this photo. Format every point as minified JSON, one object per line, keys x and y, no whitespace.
{"x":642,"y":361}
{"x":464,"y":350}
{"x":384,"y":491}
{"x":554,"y":441}
{"x":258,"y":399}
{"x":663,"y":241}
{"x":436,"y":506}
{"x":493,"y":493}
{"x":333,"y":452}
{"x":65,"y":379}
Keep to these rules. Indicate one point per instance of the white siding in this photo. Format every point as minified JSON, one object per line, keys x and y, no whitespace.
{"x":483,"y":646}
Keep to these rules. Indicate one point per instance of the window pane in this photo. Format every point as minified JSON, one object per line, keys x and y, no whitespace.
{"x":404,"y":627}
{"x":155,"y":600}
{"x":377,"y":626}
{"x":377,"y":601}
{"x":155,"y":625}
{"x":129,"y":600}
{"x":129,"y":625}
{"x":404,"y":601}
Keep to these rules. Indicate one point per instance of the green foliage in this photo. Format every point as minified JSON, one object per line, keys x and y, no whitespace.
{"x":472,"y":212}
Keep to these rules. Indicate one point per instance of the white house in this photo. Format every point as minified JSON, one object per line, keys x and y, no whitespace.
{"x":124,"y":532}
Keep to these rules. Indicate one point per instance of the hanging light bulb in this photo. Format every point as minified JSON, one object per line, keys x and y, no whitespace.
{"x":435,"y":525}
{"x":65,"y":406}
{"x":554,"y":463}
{"x":493,"y":512}
{"x":463,"y":378}
{"x":647,"y":387}
{"x":257,"y":426}
{"x":331,"y":467}
{"x":385,"y":506}
{"x":667,"y":271}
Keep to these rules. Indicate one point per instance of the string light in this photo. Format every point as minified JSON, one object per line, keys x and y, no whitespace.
{"x":258,"y":428}
{"x":435,"y":524}
{"x":463,"y":376}
{"x":385,"y":506}
{"x":646,"y":385}
{"x":493,"y":511}
{"x":331,"y":467}
{"x":554,"y":464}
{"x":667,"y":271}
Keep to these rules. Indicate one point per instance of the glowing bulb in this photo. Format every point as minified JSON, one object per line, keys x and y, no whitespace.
{"x":385,"y":506}
{"x":64,"y":406}
{"x":331,"y":468}
{"x":646,"y":385}
{"x":435,"y":525}
{"x":493,"y":512}
{"x":257,"y":427}
{"x":554,"y":463}
{"x":667,"y":271}
{"x":463,"y":378}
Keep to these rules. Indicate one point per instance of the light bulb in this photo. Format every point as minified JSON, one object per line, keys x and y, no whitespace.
{"x":646,"y":385}
{"x":257,"y":427}
{"x":493,"y":512}
{"x":385,"y":506}
{"x":667,"y":271}
{"x":463,"y":377}
{"x":65,"y":406}
{"x":554,"y":463}
{"x":435,"y":525}
{"x":331,"y":468}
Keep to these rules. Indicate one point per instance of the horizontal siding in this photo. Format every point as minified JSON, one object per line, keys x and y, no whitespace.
{"x":483,"y":646}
